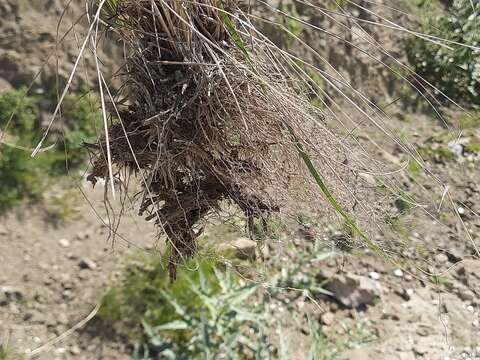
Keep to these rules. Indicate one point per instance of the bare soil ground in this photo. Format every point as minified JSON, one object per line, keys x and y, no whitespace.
{"x":53,"y":276}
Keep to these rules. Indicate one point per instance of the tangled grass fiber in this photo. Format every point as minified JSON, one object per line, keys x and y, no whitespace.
{"x":214,"y":117}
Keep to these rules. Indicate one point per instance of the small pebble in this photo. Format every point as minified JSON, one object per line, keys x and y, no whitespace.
{"x":64,"y":243}
{"x":87,"y":264}
{"x":441,"y":258}
{"x":374,"y":275}
{"x":328,"y":318}
{"x":72,"y":256}
{"x":398,"y":273}
{"x":3,"y":230}
{"x":62,"y":319}
{"x":84,"y":235}
{"x":75,"y":350}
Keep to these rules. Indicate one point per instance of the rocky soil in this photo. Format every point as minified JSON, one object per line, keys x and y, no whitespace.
{"x":52,"y":276}
{"x":41,"y":40}
{"x":53,"y":273}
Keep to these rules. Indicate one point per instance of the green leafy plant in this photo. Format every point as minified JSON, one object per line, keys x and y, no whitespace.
{"x":472,"y":148}
{"x":20,"y":113}
{"x":82,"y":118}
{"x":20,"y":118}
{"x":454,"y":69}
{"x":20,"y":176}
{"x":204,"y":314}
{"x":414,"y":168}
{"x":319,"y":346}
{"x":438,"y":152}
{"x":269,"y":228}
{"x":469,"y":121}
{"x":297,"y":273}
{"x":210,"y":313}
{"x":61,"y":206}
{"x":110,"y":7}
{"x":292,"y":25}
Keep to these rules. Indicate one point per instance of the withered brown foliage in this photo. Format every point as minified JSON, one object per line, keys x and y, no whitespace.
{"x":206,"y":120}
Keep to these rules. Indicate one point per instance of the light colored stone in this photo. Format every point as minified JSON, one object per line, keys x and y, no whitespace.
{"x":421,"y":349}
{"x":62,"y":319}
{"x":75,"y":350}
{"x":465,"y":294}
{"x":423,"y":330}
{"x":84,"y":235}
{"x":64,"y":243}
{"x":398,"y":273}
{"x":456,"y":148}
{"x":84,"y":274}
{"x":72,"y":256}
{"x":244,"y":248}
{"x":327,"y":318}
{"x":455,"y":254}
{"x":368,"y":178}
{"x":441,"y":258}
{"x":87,"y":264}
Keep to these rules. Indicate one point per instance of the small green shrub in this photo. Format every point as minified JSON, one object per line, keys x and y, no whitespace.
{"x":210,"y":313}
{"x":61,"y":206}
{"x":25,"y":120}
{"x":270,"y":228}
{"x":82,"y":118}
{"x":472,"y":148}
{"x":203,"y":315}
{"x":293,"y":26}
{"x":404,"y":202}
{"x":414,"y":168}
{"x":469,"y":121}
{"x":455,"y":72}
{"x":439,"y":153}
{"x":22,"y":176}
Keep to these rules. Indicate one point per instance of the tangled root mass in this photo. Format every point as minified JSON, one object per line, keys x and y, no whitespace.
{"x":204,"y":124}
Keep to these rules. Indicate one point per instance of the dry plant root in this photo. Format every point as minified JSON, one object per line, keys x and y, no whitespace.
{"x":205,"y":120}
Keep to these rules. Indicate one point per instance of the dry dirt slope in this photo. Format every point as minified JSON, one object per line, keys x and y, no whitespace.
{"x":51,"y":277}
{"x":35,"y":42}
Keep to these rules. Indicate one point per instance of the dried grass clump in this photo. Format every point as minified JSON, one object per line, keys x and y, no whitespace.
{"x":214,"y":116}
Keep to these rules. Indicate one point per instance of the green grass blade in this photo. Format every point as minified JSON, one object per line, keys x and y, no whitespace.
{"x":235,"y":36}
{"x":330,"y":197}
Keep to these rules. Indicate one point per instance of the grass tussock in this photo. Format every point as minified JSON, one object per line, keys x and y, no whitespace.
{"x":214,"y":116}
